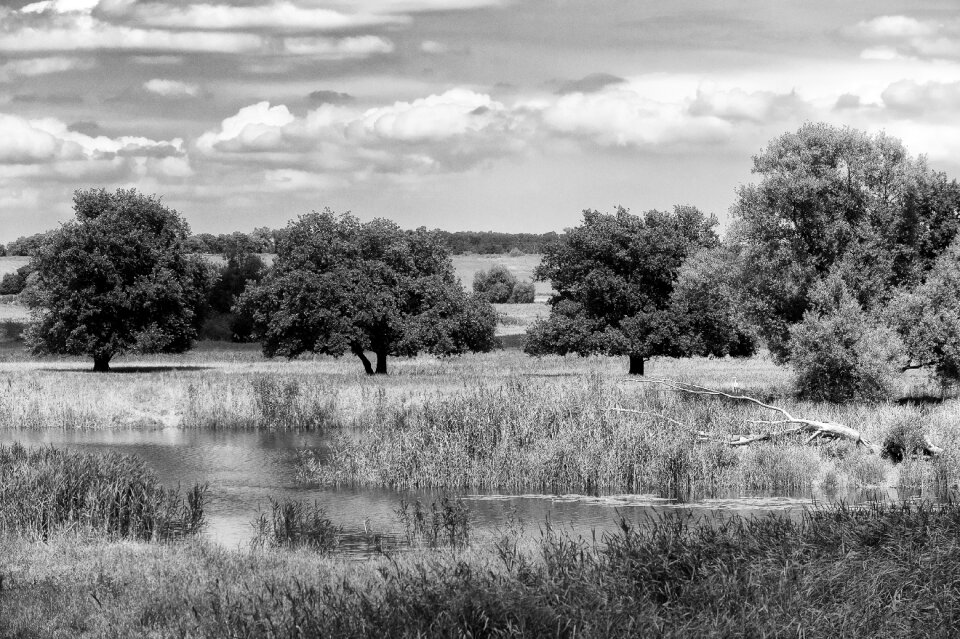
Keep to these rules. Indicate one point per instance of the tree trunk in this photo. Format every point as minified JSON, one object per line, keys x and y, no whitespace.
{"x":101,"y":363}
{"x":636,"y":365}
{"x":363,"y":358}
{"x":382,"y":363}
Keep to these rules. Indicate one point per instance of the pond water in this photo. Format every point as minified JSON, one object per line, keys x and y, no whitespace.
{"x":245,"y":470}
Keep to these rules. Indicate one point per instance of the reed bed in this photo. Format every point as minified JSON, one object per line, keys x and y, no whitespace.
{"x":885,"y":570}
{"x":295,"y":525}
{"x":570,"y":435}
{"x":46,"y":491}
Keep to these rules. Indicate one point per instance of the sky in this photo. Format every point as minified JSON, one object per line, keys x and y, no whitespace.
{"x":507,"y":115}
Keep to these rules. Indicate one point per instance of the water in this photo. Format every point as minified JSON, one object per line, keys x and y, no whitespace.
{"x":245,"y":470}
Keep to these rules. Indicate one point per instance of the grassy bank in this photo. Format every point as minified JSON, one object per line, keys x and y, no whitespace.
{"x":884,"y":571}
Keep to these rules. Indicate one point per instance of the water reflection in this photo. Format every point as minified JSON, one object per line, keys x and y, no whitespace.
{"x":245,"y":470}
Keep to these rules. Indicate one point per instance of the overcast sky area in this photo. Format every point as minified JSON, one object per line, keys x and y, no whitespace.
{"x":508,"y":115}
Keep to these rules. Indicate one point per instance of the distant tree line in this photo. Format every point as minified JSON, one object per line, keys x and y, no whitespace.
{"x":494,"y":243}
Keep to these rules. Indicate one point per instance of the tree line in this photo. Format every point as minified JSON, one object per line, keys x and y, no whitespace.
{"x":842,"y":259}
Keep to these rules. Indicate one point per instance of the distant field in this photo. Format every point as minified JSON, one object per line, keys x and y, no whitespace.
{"x":9,"y":264}
{"x":522,"y":266}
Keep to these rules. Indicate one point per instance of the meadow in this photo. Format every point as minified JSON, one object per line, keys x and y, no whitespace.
{"x":92,"y":545}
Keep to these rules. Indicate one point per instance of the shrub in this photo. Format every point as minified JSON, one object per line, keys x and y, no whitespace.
{"x":495,"y":285}
{"x":14,"y":283}
{"x":839,"y":352}
{"x":523,"y":293}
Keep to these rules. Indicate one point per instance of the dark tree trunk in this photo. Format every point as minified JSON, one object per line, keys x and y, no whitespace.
{"x":363,"y":358}
{"x":636,"y":365}
{"x":381,"y":363}
{"x":101,"y":363}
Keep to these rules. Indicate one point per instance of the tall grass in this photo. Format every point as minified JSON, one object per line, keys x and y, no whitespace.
{"x":45,"y":490}
{"x":567,"y":436}
{"x":881,"y":571}
{"x":294,"y":524}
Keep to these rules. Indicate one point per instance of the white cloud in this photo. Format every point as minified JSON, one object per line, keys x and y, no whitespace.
{"x":279,"y":15}
{"x":171,"y":88}
{"x":897,"y":35}
{"x":338,"y":48}
{"x":42,"y":66}
{"x":916,"y":98}
{"x":256,"y":127}
{"x":60,"y":6}
{"x":86,"y":33}
{"x":433,"y":47}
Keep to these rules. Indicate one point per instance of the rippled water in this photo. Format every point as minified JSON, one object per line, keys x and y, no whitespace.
{"x":245,"y":470}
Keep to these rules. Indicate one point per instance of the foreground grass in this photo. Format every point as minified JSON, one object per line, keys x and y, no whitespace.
{"x":882,"y":571}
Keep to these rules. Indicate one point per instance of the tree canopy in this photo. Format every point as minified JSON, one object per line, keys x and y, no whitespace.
{"x":614,"y":276}
{"x":116,"y":280}
{"x":339,"y":285}
{"x":837,"y":200}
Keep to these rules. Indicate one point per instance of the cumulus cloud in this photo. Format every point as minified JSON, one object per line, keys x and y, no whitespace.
{"x":736,"y":105}
{"x":48,"y":149}
{"x":896,"y":35}
{"x":447,"y":132}
{"x":915,"y":98}
{"x":171,"y":88}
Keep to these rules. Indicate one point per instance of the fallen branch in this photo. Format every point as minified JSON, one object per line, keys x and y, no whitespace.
{"x":817,"y":429}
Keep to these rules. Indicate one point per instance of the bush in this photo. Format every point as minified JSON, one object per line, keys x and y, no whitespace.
{"x":500,"y":286}
{"x":14,"y":283}
{"x":839,"y":352}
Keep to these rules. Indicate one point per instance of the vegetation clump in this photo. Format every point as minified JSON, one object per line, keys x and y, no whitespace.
{"x":499,"y":286}
{"x":44,"y":491}
{"x":293,"y":525}
{"x":445,"y":523}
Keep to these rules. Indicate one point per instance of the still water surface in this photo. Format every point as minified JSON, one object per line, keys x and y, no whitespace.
{"x":245,"y":470}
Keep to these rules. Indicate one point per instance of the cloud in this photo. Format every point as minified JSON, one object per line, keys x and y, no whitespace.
{"x":915,"y":98}
{"x":452,"y":131}
{"x":171,"y":88}
{"x":736,"y":105}
{"x":42,"y":66}
{"x":338,"y":49}
{"x":433,"y":47}
{"x":84,"y":33}
{"x":324,"y":96}
{"x":46,"y":149}
{"x":896,"y":35}
{"x":273,"y":17}
{"x":589,"y":84}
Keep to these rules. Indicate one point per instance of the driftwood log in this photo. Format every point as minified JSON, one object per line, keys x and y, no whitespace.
{"x":815,"y":429}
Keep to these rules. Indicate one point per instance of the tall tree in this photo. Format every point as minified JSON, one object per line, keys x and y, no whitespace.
{"x":116,"y":280}
{"x":837,"y":200}
{"x":614,"y":276}
{"x":338,"y":285}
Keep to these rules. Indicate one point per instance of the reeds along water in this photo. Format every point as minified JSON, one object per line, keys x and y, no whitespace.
{"x":561,"y":436}
{"x":44,"y":491}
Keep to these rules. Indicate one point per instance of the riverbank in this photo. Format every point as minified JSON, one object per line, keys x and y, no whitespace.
{"x":881,"y":571}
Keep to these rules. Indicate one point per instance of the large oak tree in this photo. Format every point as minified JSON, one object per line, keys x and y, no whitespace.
{"x":339,"y":285}
{"x":116,"y":280}
{"x":614,"y":276}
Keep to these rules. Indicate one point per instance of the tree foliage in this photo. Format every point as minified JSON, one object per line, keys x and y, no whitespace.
{"x":837,"y":200}
{"x":614,"y":276}
{"x":927,"y":318}
{"x":116,"y":280}
{"x":339,"y":285}
{"x":839,"y":351}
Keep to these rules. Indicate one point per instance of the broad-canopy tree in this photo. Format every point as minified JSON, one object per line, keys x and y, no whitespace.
{"x":116,"y":280}
{"x":837,"y":201}
{"x":614,"y":276}
{"x":338,"y":286}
